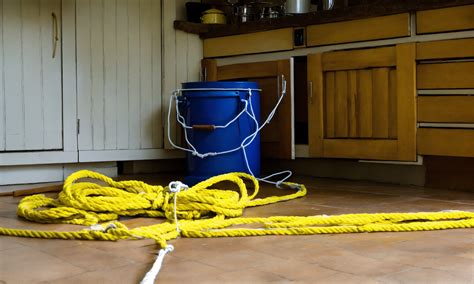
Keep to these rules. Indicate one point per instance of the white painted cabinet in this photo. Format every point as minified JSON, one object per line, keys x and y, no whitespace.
{"x":30,"y":75}
{"x":119,"y":67}
{"x":101,"y":97}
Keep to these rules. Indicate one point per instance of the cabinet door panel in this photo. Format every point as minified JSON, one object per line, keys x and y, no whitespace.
{"x":380,"y":102}
{"x":352,"y":103}
{"x":364,"y":93}
{"x":119,"y":76}
{"x":269,"y":89}
{"x":2,"y":94}
{"x":330,"y":117}
{"x":392,"y":105}
{"x":361,"y":105}
{"x":340,"y":102}
{"x":31,"y":92}
{"x":278,"y":136}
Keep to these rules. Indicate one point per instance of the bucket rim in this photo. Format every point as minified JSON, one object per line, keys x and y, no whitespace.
{"x":221,"y":84}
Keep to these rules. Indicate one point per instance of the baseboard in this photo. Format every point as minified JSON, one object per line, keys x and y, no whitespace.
{"x":350,"y":169}
{"x":30,"y":174}
{"x":450,"y":172}
{"x":153,"y":166}
{"x":14,"y":175}
{"x":107,"y":168}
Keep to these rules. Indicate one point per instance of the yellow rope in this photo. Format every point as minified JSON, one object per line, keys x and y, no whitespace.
{"x":203,"y":212}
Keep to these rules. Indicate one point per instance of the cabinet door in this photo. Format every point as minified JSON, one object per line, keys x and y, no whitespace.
{"x":119,"y":79}
{"x":30,"y":75}
{"x":362,"y":104}
{"x":277,"y":138}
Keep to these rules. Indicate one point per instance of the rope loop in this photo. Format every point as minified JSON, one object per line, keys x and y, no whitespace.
{"x":177,"y":186}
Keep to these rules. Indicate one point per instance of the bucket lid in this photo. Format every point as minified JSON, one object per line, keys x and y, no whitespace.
{"x":212,"y":11}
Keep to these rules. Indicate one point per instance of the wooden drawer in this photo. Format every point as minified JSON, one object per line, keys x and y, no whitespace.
{"x":450,"y":75}
{"x":359,"y":30}
{"x":445,"y":49}
{"x":446,"y":142}
{"x":445,"y":20}
{"x":267,"y":41}
{"x":446,"y":109}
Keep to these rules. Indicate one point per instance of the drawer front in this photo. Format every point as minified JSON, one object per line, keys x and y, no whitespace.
{"x":445,"y":20}
{"x":452,"y":75}
{"x":446,"y":109}
{"x":267,"y":41}
{"x":445,"y":49}
{"x":359,"y":30}
{"x":446,"y":142}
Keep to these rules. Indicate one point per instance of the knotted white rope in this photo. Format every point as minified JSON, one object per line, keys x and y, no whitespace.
{"x":176,"y":187}
{"x":155,"y":269}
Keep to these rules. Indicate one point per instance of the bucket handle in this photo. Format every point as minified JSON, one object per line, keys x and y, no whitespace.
{"x":181,"y":119}
{"x":204,"y":127}
{"x":247,"y":109}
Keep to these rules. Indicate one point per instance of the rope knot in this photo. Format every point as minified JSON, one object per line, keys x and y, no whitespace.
{"x":177,"y":186}
{"x":169,"y":248}
{"x":100,"y":228}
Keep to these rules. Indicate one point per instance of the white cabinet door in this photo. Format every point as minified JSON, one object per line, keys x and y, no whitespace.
{"x":30,"y":75}
{"x":119,"y":79}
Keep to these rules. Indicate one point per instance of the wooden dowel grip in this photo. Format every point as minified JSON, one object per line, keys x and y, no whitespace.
{"x":203,"y":127}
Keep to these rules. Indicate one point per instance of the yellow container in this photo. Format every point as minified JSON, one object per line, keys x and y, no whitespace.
{"x":213,"y":16}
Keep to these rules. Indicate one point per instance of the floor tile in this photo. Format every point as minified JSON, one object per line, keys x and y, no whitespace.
{"x":28,"y":265}
{"x":90,"y":259}
{"x":250,"y":275}
{"x":426,"y":276}
{"x":178,"y":271}
{"x":7,"y":243}
{"x":297,"y":270}
{"x":124,"y":274}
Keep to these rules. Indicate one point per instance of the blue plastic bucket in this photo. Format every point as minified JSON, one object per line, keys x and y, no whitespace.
{"x":217,"y":103}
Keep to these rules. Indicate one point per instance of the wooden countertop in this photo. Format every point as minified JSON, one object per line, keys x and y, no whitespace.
{"x":376,"y":8}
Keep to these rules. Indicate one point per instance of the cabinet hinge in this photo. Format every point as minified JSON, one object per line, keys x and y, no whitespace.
{"x":78,"y":126}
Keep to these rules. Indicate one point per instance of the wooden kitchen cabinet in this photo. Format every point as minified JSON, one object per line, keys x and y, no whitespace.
{"x":391,"y":26}
{"x":361,"y":103}
{"x":445,"y":97}
{"x":445,"y":20}
{"x":265,"y":41}
{"x":277,"y":138}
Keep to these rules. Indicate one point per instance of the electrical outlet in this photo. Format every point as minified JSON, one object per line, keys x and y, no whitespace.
{"x":299,"y":37}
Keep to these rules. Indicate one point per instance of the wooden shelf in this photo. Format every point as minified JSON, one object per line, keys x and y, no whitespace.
{"x":376,"y":8}
{"x":192,"y":28}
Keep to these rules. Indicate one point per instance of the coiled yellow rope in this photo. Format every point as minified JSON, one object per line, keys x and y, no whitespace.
{"x":202,"y":211}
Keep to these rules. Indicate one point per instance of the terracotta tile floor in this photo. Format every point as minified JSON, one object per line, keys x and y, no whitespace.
{"x":417,"y":257}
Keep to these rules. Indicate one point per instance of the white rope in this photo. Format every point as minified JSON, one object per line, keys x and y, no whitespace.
{"x":248,"y":109}
{"x":155,"y":269}
{"x":176,"y":187}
